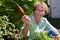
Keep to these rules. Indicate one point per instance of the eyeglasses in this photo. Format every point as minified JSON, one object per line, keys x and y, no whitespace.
{"x":41,"y":10}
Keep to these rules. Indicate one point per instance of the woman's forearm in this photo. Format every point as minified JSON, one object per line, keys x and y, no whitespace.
{"x":25,"y":30}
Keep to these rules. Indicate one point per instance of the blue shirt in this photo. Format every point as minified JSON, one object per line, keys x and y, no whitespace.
{"x":43,"y":24}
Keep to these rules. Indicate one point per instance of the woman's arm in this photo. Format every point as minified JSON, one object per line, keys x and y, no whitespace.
{"x":25,"y":30}
{"x":26,"y":20}
{"x":52,"y":30}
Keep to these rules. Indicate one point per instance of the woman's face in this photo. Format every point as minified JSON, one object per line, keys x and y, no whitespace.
{"x":39,"y":12}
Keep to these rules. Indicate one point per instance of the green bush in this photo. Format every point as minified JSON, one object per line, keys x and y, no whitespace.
{"x":7,"y":29}
{"x":41,"y":36}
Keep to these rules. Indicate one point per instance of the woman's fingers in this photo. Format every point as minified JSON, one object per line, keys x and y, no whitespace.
{"x":56,"y":37}
{"x":26,"y":19}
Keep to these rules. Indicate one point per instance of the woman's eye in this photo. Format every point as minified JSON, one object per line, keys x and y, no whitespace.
{"x":41,"y":10}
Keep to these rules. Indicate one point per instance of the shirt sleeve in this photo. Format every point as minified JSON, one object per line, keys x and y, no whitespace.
{"x":51,"y":30}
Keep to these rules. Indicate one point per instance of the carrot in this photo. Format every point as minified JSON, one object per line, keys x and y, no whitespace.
{"x":20,"y":9}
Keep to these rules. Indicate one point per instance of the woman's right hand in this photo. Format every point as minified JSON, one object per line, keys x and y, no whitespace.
{"x":26,"y":19}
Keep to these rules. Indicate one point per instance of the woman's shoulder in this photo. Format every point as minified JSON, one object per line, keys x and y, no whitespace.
{"x":44,"y":18}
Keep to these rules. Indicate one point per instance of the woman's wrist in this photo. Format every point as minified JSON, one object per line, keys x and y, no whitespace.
{"x":28,"y":25}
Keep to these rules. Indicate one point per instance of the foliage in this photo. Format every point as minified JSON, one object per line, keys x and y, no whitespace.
{"x":8,"y":29}
{"x":41,"y":36}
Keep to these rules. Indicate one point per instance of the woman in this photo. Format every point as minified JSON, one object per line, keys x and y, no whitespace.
{"x":40,"y":22}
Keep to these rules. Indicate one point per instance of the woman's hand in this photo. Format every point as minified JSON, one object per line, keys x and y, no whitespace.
{"x":56,"y":37}
{"x":26,"y":19}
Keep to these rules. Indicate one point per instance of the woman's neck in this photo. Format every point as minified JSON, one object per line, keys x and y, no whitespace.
{"x":37,"y":20}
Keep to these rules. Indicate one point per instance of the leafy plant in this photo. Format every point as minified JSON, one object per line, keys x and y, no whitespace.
{"x":8,"y":29}
{"x":40,"y":36}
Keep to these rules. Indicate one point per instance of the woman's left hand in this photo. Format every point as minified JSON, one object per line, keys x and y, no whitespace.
{"x":56,"y":37}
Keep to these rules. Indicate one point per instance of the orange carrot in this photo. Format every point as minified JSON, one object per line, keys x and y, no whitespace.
{"x":20,"y":9}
